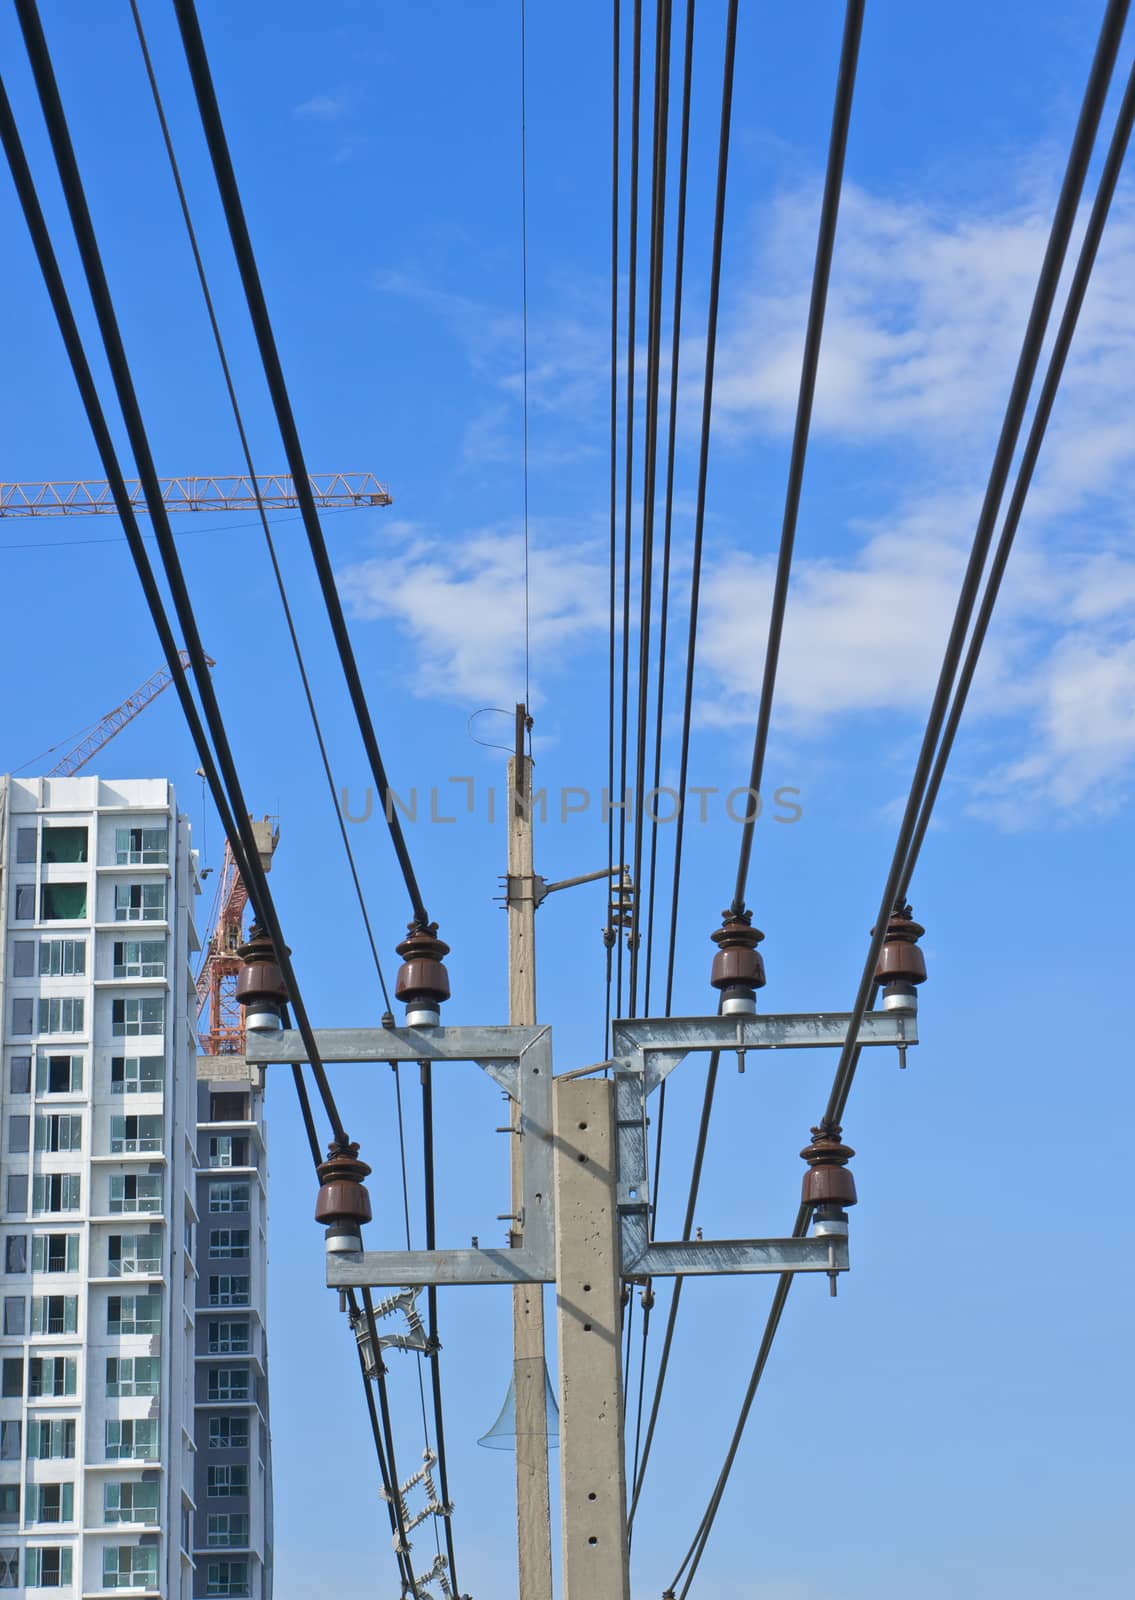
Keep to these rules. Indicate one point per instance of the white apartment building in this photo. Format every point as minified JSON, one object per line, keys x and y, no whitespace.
{"x":103,"y":1415}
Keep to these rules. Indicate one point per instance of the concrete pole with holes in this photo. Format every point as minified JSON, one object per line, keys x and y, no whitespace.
{"x":533,"y":1502}
{"x":593,"y":1488}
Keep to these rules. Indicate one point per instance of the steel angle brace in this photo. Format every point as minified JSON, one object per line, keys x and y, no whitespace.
{"x":645,"y":1051}
{"x":519,"y":1060}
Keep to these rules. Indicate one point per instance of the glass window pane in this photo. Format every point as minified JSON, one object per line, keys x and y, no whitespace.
{"x":25,"y":846}
{"x":64,"y":902}
{"x":23,"y":958}
{"x":64,"y":844}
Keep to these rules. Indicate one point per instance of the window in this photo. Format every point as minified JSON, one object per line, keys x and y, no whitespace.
{"x":25,"y":847}
{"x":130,"y":1502}
{"x":17,"y":1195}
{"x":232,"y":1242}
{"x":51,"y":1377}
{"x":51,"y":1439}
{"x":134,"y":1313}
{"x":55,"y":1313}
{"x":131,"y":1253}
{"x":228,"y":1197}
{"x":226,"y":1529}
{"x":25,"y":902}
{"x":132,"y":1439}
{"x":51,"y":1502}
{"x":139,"y":902}
{"x":226,"y":1578}
{"x":139,"y":958}
{"x":23,"y":1014}
{"x":18,"y":1131}
{"x":62,"y":958}
{"x":129,"y":1566}
{"x":135,"y":1192}
{"x":228,"y":1108}
{"x":228,"y":1291}
{"x":132,"y":1135}
{"x":64,"y":844}
{"x":12,"y":1378}
{"x":10,"y":1436}
{"x":61,"y":1014}
{"x":16,"y":1252}
{"x":9,"y":1567}
{"x":223,"y":1482}
{"x":55,"y":1252}
{"x":63,"y":902}
{"x":58,"y":1131}
{"x":55,"y":1191}
{"x":20,"y":1075}
{"x":228,"y":1433}
{"x":47,"y":1567}
{"x":137,"y":1074}
{"x":225,"y":1150}
{"x":132,"y":1375}
{"x":9,"y":1503}
{"x":23,"y":958}
{"x":15,"y":1313}
{"x":58,"y":1074}
{"x":228,"y":1338}
{"x":141,"y":847}
{"x":134,"y":1016}
{"x":229,"y":1383}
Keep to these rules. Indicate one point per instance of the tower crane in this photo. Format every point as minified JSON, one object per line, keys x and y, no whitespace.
{"x":114,"y":721}
{"x":91,"y":497}
{"x":220,"y":1025}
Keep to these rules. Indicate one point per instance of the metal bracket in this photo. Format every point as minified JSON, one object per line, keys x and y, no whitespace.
{"x":519,"y":1060}
{"x":646,"y":1050}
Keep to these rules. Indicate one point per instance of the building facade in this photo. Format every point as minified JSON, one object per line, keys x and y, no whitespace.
{"x":103,"y":1411}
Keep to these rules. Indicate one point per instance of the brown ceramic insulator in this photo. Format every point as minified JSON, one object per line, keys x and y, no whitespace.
{"x":342,"y":1195}
{"x":260,"y":977}
{"x":737,"y":965}
{"x":422,"y":976}
{"x":900,"y":960}
{"x":827,"y":1181}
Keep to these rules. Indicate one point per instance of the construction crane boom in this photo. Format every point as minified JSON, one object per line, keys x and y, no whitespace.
{"x":220,"y":1021}
{"x":114,"y":721}
{"x":91,"y":497}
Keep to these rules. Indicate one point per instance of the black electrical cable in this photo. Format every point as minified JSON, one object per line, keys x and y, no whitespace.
{"x":703,"y":470}
{"x":221,"y":158}
{"x":639,"y":1473}
{"x":246,"y":451}
{"x":660,"y":138}
{"x":632,"y":298}
{"x":668,"y":519}
{"x":1109,"y":179}
{"x":393,"y":1488}
{"x":821,"y":276}
{"x":431,"y":1301}
{"x":1063,"y":221}
{"x":251,"y":869}
{"x":611,"y":932}
{"x":388,"y":1484}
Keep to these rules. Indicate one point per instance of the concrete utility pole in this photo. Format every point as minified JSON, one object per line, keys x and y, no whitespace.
{"x":533,"y":1504}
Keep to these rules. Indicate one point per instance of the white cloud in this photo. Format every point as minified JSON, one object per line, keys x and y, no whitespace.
{"x":461,"y":602}
{"x":926,"y":317}
{"x":323,"y":108}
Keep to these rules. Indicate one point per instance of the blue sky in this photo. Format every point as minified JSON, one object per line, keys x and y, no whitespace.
{"x":970,"y":1386}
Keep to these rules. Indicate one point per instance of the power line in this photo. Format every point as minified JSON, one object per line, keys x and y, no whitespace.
{"x":63,"y":151}
{"x":524,"y":326}
{"x":650,"y":455}
{"x":821,"y":275}
{"x":632,"y":297}
{"x":1063,"y":221}
{"x":246,"y":451}
{"x":611,"y":932}
{"x":221,"y":158}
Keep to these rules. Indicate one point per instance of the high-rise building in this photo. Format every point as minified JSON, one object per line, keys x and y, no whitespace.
{"x":233,"y":1478}
{"x":115,"y":1468}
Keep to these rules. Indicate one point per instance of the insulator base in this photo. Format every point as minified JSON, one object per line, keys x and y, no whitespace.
{"x":343,"y":1239}
{"x":739,"y":1003}
{"x":900,"y":997}
{"x":422,"y":1016}
{"x":263,"y":1022}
